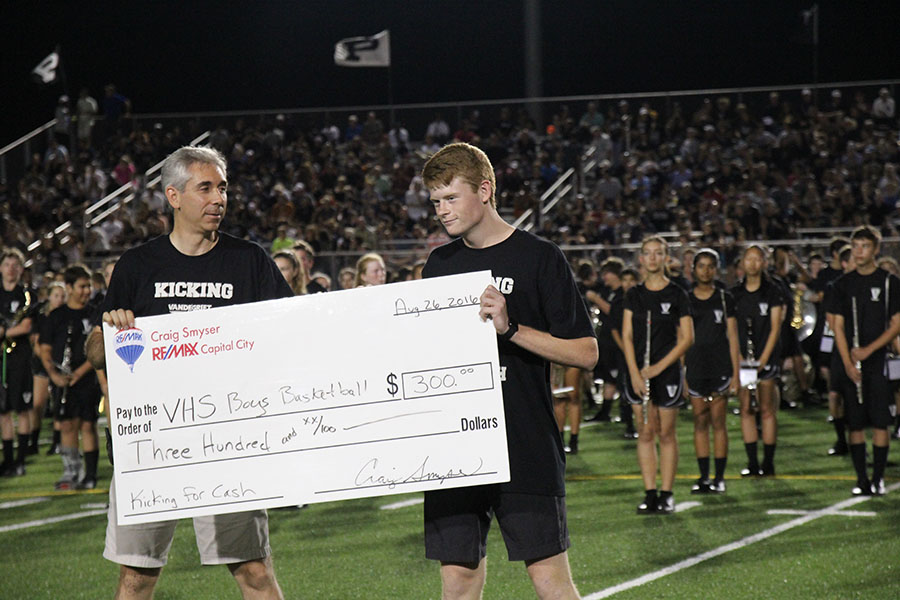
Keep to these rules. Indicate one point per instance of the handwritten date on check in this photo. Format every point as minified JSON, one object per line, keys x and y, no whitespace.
{"x":379,"y":390}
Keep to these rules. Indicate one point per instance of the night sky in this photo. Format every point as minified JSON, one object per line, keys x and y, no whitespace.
{"x":200,"y":55}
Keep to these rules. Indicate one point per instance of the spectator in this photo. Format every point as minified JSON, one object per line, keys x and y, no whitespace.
{"x":85,"y":111}
{"x":370,"y":270}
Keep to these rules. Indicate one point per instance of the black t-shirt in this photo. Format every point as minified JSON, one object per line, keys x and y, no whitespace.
{"x":540,"y":292}
{"x":822,"y":284}
{"x":15,"y":307}
{"x":710,"y":355}
{"x":755,"y":308}
{"x":604,"y":333}
{"x":66,"y":326}
{"x":872,"y":314}
{"x":666,"y":308}
{"x":156,"y":279}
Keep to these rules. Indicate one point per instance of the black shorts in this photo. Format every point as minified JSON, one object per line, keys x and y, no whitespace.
{"x":37,"y":368}
{"x":772,"y":370}
{"x":790,"y":344}
{"x":665,"y":389}
{"x":18,"y":383}
{"x":702,"y":387}
{"x":82,"y":402}
{"x":877,"y":398}
{"x":457,"y":523}
{"x":607,"y":367}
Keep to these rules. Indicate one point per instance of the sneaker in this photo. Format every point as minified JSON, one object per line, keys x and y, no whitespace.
{"x":32,"y":450}
{"x":840,"y":448}
{"x":86,"y":484}
{"x":64,"y":485}
{"x":767,"y":471}
{"x":666,"y":505}
{"x":788,"y":404}
{"x":863,"y":488}
{"x":18,"y":470}
{"x":648,"y":506}
{"x":748,"y":472}
{"x":631,"y":434}
{"x":567,"y":449}
{"x":717,"y":486}
{"x":701,"y":486}
{"x":53,"y":449}
{"x":878,"y":488}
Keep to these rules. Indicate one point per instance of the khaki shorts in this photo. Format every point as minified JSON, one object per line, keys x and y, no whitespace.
{"x":221,"y":539}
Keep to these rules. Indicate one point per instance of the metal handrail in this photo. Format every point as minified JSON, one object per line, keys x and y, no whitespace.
{"x":109,"y":198}
{"x":27,"y":136}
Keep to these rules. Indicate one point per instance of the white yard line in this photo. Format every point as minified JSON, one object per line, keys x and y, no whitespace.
{"x":752,"y":539}
{"x":26,"y":502}
{"x":683,"y":506}
{"x":842,"y":513}
{"x":403,"y":504}
{"x":50,"y":520}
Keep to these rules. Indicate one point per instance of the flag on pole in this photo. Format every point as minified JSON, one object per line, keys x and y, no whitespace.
{"x":45,"y":72}
{"x":365,"y":51}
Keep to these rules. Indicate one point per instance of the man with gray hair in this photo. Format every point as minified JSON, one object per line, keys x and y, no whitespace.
{"x":220,"y":270}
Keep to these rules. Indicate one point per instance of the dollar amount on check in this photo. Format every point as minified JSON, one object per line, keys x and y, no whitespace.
{"x":379,"y":390}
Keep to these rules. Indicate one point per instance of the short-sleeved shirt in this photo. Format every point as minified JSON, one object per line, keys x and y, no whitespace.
{"x":156,"y":279}
{"x":710,"y":355}
{"x":754,"y":314}
{"x":873,"y":315}
{"x":666,"y":307}
{"x":540,"y":292}
{"x":14,"y":307}
{"x":67,"y":327}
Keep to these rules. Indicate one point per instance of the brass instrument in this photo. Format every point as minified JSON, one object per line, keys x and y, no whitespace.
{"x":804,"y":318}
{"x":8,"y":343}
{"x":645,"y":401}
{"x":857,"y":364}
{"x":752,"y":363}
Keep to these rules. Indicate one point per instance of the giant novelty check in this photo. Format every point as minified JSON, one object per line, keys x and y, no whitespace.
{"x":378,"y":390}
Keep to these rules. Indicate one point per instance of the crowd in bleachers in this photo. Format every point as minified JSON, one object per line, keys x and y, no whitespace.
{"x":728,"y":170}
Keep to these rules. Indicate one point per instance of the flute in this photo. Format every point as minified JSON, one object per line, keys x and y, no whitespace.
{"x":751,"y":362}
{"x":857,"y":364}
{"x":645,"y":401}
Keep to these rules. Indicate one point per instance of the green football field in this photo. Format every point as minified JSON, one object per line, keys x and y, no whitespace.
{"x":799,"y":535}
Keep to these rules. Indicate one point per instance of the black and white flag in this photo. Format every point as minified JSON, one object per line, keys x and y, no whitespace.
{"x":46,"y":71}
{"x":365,"y":51}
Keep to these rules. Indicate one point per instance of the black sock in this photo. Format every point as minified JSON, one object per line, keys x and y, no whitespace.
{"x":8,"y":452}
{"x":573,"y":439}
{"x":879,"y":461}
{"x":858,"y":455}
{"x":56,"y":437}
{"x":663,"y":494}
{"x":768,"y":455}
{"x":703,"y":464}
{"x":90,"y":464}
{"x":752,"y":459}
{"x":35,"y":435}
{"x":22,"y":448}
{"x":840,"y":428}
{"x":720,"y":468}
{"x":650,"y":494}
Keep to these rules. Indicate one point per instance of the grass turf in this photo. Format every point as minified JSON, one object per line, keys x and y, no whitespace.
{"x":352,"y":549}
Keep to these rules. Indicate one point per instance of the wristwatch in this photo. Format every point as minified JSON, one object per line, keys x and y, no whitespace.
{"x":513,"y":328}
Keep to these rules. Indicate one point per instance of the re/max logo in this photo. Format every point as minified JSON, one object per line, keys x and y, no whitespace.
{"x":175,"y":350}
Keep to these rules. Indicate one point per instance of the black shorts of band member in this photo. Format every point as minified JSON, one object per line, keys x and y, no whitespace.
{"x":608,"y":366}
{"x":875,"y":410}
{"x":665,"y":389}
{"x":18,"y":387}
{"x":37,"y":367}
{"x":771,"y":371}
{"x":80,"y":404}
{"x":837,"y":378}
{"x":457,"y":522}
{"x":706,"y":387}
{"x":790,"y":345}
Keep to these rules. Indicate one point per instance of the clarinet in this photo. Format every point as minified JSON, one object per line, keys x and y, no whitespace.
{"x":857,"y":364}
{"x":66,"y":368}
{"x":751,"y":362}
{"x":645,"y":401}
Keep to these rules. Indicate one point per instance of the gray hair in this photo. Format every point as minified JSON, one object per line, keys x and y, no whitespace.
{"x":175,"y":168}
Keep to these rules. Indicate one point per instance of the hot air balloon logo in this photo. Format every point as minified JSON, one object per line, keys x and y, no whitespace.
{"x":129,"y":344}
